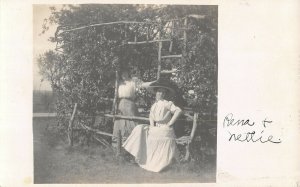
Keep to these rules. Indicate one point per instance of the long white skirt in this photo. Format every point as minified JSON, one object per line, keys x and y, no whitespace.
{"x":153,"y":148}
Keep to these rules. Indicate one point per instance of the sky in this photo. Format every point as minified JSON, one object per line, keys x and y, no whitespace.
{"x":41,"y":43}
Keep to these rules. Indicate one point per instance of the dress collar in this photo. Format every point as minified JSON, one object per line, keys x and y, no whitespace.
{"x":161,"y":100}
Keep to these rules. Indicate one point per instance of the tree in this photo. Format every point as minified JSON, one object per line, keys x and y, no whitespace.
{"x":82,"y":70}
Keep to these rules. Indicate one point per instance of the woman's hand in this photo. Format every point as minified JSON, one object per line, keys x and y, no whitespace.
{"x":150,"y":126}
{"x":174,"y":117}
{"x":170,"y":125}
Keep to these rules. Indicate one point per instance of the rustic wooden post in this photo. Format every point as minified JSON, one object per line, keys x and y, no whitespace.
{"x":172,"y":34}
{"x":125,"y":28}
{"x":148,"y":32}
{"x":195,"y":124}
{"x":159,"y":53}
{"x":114,"y":112}
{"x":70,"y":127}
{"x":187,"y":153}
{"x":119,"y":143}
{"x":159,"y":60}
{"x":114,"y":108}
{"x":185,"y":34}
{"x":135,"y":35}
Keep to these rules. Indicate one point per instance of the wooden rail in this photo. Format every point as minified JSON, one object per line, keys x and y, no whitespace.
{"x":196,"y":16}
{"x":168,"y":71}
{"x":172,"y":56}
{"x":151,"y":41}
{"x":189,"y":117}
{"x":95,"y":130}
{"x":127,"y":117}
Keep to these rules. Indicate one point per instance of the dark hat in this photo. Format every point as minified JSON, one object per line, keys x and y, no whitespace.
{"x":124,"y":69}
{"x":160,"y":83}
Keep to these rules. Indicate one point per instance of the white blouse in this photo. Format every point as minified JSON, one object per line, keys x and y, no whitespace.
{"x":161,"y":111}
{"x":127,"y":89}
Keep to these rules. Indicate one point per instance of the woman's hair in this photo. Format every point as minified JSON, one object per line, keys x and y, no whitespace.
{"x":166,"y":91}
{"x":124,"y":70}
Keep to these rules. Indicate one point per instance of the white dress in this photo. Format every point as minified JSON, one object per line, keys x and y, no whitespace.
{"x":126,"y":107}
{"x":154,"y":147}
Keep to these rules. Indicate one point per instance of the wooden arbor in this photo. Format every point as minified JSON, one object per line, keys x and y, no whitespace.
{"x":171,"y":26}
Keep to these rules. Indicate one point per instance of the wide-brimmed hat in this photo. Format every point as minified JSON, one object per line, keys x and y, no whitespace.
{"x":124,"y":69}
{"x":160,"y":83}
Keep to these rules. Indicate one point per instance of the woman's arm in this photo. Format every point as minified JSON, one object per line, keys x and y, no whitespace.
{"x":151,"y":121}
{"x":138,"y":83}
{"x":176,"y":114}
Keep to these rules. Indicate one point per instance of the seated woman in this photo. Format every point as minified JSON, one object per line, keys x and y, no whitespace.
{"x":154,"y":146}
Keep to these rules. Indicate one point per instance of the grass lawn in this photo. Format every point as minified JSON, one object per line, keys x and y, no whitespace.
{"x":55,"y":162}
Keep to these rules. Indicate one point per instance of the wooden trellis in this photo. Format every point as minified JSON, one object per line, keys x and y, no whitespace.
{"x":185,"y":140}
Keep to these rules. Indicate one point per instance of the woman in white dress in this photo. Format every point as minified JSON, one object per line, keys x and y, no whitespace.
{"x":127,"y":107}
{"x":154,"y":146}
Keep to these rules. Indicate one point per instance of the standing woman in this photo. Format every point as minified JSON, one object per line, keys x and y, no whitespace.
{"x":126,"y":107}
{"x":154,"y":146}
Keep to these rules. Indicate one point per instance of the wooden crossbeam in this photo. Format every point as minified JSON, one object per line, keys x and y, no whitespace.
{"x":107,"y":99}
{"x":103,"y":142}
{"x":127,"y":117}
{"x":179,"y":28}
{"x":197,"y":16}
{"x":168,"y":71}
{"x":95,"y":130}
{"x":188,"y":109}
{"x":183,"y":140}
{"x":109,"y":23}
{"x":130,"y":22}
{"x":189,"y":117}
{"x":172,"y":56}
{"x":152,"y":41}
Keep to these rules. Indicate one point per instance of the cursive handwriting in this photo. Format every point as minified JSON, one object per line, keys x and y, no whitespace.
{"x":230,"y":121}
{"x":252,"y":136}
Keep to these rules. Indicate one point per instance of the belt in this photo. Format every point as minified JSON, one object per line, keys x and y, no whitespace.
{"x":130,"y":99}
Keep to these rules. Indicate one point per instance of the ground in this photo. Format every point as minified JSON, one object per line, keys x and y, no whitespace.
{"x":56,"y":162}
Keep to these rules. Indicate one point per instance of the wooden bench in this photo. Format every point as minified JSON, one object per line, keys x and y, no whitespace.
{"x":184,"y":140}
